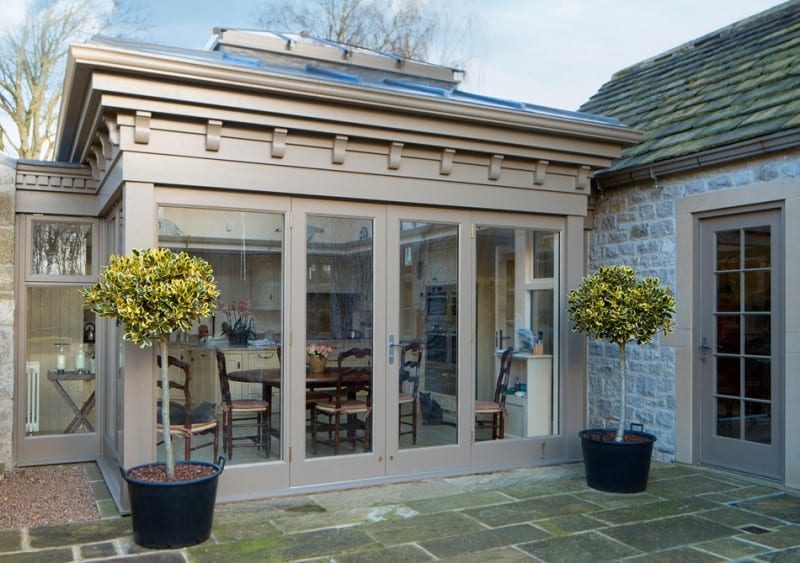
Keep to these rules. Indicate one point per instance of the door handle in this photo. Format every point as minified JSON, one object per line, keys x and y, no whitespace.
{"x":703,"y":347}
{"x":392,"y":346}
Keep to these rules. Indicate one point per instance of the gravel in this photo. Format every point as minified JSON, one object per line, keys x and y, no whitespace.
{"x":46,"y":496}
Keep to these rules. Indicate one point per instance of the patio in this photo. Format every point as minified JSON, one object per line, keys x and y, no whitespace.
{"x":545,"y":513}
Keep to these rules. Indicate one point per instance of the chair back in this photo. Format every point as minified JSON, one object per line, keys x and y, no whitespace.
{"x":353,"y":378}
{"x":503,"y":376}
{"x":184,"y":386}
{"x":410,"y":366}
{"x":222,"y":371}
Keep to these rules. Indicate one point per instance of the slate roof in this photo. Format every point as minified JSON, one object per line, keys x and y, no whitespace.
{"x":738,"y":83}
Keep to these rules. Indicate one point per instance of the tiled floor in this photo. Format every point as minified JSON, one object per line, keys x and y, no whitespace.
{"x":544,"y":514}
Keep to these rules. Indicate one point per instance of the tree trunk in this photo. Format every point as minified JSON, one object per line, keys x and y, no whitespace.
{"x":165,"y":422}
{"x":623,"y":393}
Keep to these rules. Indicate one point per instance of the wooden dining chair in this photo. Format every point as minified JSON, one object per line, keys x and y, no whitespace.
{"x":352,"y":397}
{"x":245,"y":413}
{"x":409,"y":373}
{"x":187,"y":419}
{"x":497,"y":407}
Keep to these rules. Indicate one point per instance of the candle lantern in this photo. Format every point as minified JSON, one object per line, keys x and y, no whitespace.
{"x":61,"y":356}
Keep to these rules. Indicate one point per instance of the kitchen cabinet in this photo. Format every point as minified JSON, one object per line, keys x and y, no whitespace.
{"x":266,"y":293}
{"x":534,"y":412}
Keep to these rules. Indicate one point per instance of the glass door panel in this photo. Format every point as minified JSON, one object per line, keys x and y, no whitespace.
{"x":516,"y":300}
{"x":339,"y":341}
{"x":427,"y":366}
{"x":742,"y":418}
{"x":245,"y":250}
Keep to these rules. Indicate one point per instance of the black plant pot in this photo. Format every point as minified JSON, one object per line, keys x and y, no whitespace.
{"x":172,"y":515}
{"x":616,"y":467}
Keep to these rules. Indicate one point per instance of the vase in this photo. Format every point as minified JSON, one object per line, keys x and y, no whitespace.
{"x":237,"y":338}
{"x":317,"y":363}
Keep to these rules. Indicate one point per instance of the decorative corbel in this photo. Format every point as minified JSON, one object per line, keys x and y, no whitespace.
{"x":582,"y":179}
{"x":540,"y":172}
{"x":279,"y":142}
{"x":446,"y":164}
{"x":495,"y":164}
{"x":339,"y":149}
{"x":141,"y":127}
{"x":395,"y":155}
{"x":110,"y":122}
{"x":213,"y":134}
{"x":105,"y":144}
{"x":92,"y":160}
{"x":98,"y":155}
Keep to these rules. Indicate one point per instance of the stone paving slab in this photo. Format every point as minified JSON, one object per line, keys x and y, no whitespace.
{"x":654,"y":510}
{"x":681,"y":554}
{"x":79,"y":533}
{"x":784,"y":507}
{"x":422,"y":527}
{"x":530,"y":510}
{"x":483,"y":540}
{"x":578,"y":548}
{"x":668,"y":533}
{"x":47,"y":555}
{"x":732,"y":548}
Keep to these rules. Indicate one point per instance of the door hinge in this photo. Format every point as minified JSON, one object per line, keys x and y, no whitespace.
{"x":472,"y":231}
{"x":291,"y":219}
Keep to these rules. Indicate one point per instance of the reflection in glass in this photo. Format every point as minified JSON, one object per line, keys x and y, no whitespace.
{"x":59,"y":382}
{"x":245,"y":250}
{"x":728,"y":376}
{"x":757,"y":335}
{"x":757,"y":378}
{"x":758,"y":422}
{"x":728,"y":297}
{"x":729,"y":418}
{"x":728,"y":250}
{"x":544,"y":254}
{"x":428,"y":318}
{"x":757,"y":247}
{"x":728,"y":334}
{"x":61,"y":248}
{"x":339,"y":317}
{"x":757,"y":291}
{"x":516,"y":306}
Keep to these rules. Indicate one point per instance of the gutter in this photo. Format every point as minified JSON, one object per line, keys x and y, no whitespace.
{"x":776,"y":142}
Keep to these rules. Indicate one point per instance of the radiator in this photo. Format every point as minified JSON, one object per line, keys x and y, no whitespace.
{"x":33,"y":369}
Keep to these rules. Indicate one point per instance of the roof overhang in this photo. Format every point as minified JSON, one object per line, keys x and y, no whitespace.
{"x":80,"y":102}
{"x":776,"y":142}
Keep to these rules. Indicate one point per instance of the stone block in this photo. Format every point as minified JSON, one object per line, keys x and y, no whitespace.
{"x":6,"y":208}
{"x":6,"y":245}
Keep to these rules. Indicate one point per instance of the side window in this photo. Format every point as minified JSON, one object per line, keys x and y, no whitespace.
{"x":61,"y":250}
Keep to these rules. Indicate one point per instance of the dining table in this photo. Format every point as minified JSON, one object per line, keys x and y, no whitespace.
{"x":271,"y":377}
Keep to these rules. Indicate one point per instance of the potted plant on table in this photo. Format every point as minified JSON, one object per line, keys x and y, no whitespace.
{"x":153,"y":293}
{"x":239,"y":322}
{"x":318,"y":356}
{"x":616,"y":306}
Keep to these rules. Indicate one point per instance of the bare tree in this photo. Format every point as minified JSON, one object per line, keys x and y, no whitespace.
{"x":415,"y":29}
{"x":32,"y":58}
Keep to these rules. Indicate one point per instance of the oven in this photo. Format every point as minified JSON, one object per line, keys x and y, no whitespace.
{"x":441,"y":338}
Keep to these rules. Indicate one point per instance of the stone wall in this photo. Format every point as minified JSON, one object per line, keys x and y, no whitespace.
{"x":7,"y":304}
{"x":636,"y":226}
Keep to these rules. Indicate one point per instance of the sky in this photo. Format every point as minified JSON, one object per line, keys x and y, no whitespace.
{"x":550,"y":52}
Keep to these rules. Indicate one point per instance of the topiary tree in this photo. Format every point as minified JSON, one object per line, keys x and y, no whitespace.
{"x":153,"y":293}
{"x":614,"y":305}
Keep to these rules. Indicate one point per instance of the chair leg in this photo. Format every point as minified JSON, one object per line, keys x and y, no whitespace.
{"x":336,"y":433}
{"x":314,"y":427}
{"x":216,"y":443}
{"x":228,"y":434}
{"x":414,"y":423}
{"x":502,"y":425}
